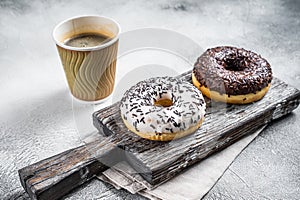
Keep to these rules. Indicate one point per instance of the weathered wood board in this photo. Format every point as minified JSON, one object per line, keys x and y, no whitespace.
{"x":223,"y":125}
{"x":155,"y":161}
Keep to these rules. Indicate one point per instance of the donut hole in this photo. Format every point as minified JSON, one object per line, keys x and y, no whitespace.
{"x":163,"y":102}
{"x":235,"y":64}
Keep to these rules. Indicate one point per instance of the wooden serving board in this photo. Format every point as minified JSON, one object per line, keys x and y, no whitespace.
{"x":155,"y":161}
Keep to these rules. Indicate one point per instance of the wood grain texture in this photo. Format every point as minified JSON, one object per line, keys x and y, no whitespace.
{"x":155,"y":161}
{"x":56,"y":176}
{"x":223,"y":125}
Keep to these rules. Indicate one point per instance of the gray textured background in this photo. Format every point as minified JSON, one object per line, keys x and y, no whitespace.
{"x":36,"y":118}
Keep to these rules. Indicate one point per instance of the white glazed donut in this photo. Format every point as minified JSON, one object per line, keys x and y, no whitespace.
{"x":163,"y":108}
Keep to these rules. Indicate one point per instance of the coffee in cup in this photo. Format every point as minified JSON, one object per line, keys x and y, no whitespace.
{"x":87,"y":46}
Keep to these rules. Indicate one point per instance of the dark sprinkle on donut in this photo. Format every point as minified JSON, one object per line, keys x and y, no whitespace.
{"x":139,"y":109}
{"x":233,"y":71}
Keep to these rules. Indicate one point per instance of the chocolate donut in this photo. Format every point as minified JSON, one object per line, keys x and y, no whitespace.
{"x":232,"y":75}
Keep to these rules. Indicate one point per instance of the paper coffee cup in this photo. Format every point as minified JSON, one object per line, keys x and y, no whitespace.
{"x":88,"y":46}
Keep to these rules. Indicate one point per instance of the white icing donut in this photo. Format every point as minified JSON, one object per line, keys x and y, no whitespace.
{"x":141,"y":111}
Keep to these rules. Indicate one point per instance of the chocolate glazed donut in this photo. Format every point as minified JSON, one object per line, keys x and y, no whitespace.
{"x":232,"y":75}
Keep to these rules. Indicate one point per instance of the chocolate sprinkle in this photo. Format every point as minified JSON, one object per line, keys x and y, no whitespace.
{"x":233,"y":71}
{"x":139,"y":109}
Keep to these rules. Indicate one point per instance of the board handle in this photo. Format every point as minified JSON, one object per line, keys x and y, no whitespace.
{"x":56,"y":176}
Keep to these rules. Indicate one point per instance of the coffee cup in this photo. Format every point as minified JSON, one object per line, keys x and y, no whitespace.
{"x":87,"y":47}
